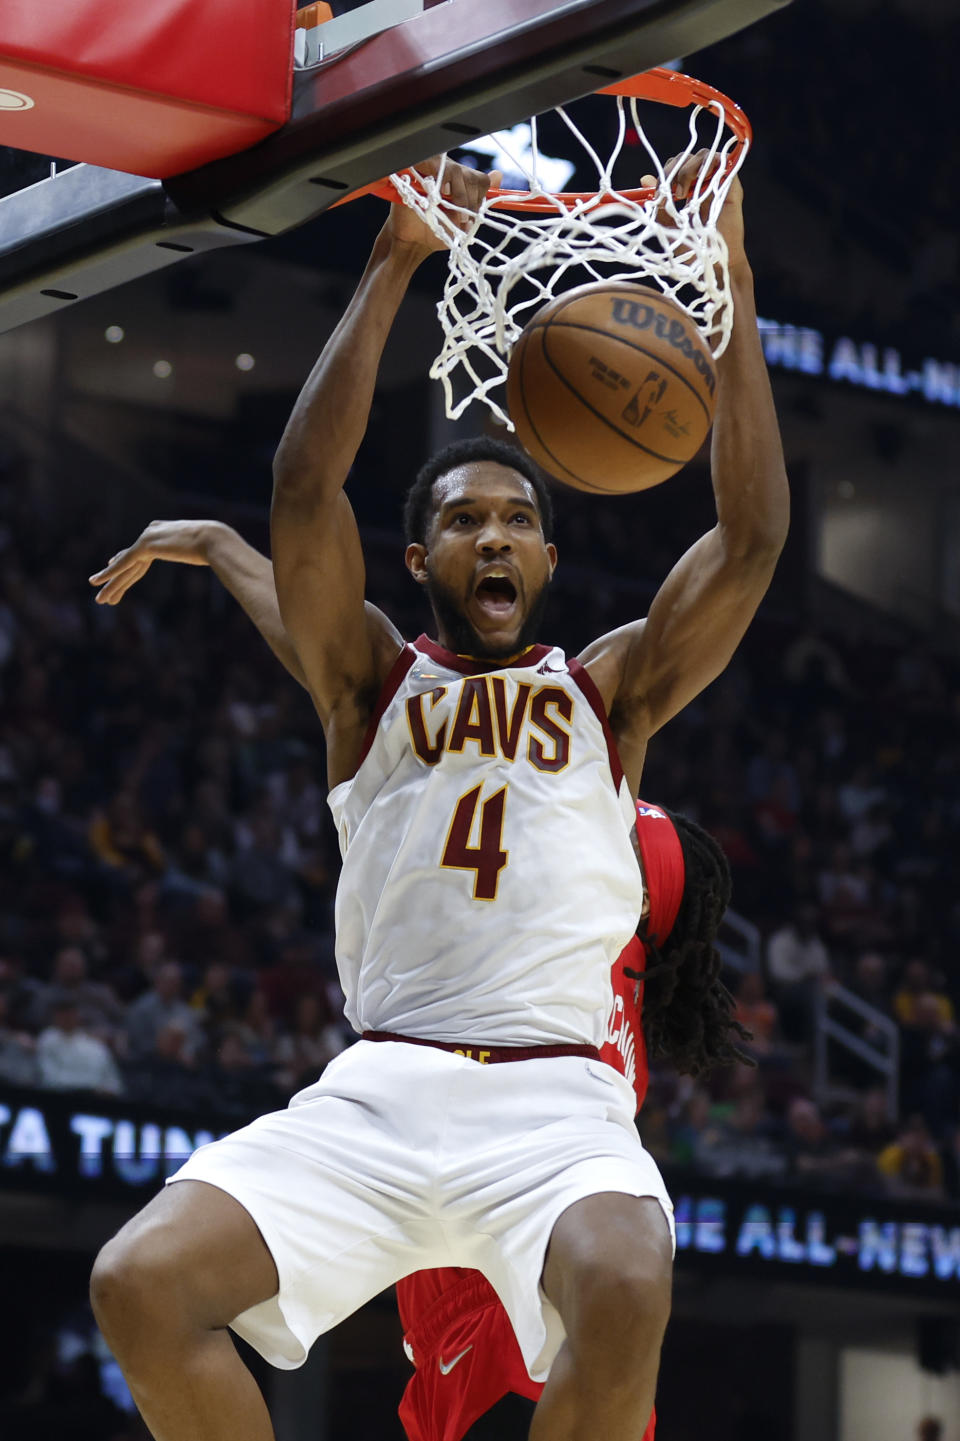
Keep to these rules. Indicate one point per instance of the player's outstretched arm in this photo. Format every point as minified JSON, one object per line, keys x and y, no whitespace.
{"x":241,"y":569}
{"x":648,"y":671}
{"x":317,"y":558}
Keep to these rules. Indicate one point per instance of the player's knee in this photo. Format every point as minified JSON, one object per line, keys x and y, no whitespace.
{"x":136,"y":1282}
{"x":624,"y":1307}
{"x":116,"y":1291}
{"x":122,"y":1284}
{"x":633,"y":1297}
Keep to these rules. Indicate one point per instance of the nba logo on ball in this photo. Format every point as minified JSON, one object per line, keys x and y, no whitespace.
{"x":646,"y":399}
{"x":15,"y":100}
{"x":611,"y":387}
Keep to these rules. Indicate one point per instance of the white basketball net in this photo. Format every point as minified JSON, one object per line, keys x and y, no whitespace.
{"x":504,"y":266}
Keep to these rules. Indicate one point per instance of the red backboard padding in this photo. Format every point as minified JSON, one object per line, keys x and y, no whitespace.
{"x":150,"y":86}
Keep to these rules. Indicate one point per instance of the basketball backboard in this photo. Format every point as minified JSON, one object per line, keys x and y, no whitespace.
{"x":424,"y":82}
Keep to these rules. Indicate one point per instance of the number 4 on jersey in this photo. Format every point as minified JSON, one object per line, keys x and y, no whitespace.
{"x":488,"y":858}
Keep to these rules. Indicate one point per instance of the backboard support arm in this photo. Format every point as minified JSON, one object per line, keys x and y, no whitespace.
{"x":455,"y":71}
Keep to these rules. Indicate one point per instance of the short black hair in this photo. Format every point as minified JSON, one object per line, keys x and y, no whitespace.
{"x":418,"y":506}
{"x":687,"y":1010}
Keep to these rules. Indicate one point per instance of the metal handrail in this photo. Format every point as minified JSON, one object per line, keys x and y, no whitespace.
{"x":747,"y":957}
{"x":886,"y":1062}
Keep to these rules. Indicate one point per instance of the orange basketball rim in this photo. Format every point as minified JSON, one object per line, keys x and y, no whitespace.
{"x":665,"y":87}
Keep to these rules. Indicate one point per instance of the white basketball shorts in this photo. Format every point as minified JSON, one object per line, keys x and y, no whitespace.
{"x":405,"y":1157}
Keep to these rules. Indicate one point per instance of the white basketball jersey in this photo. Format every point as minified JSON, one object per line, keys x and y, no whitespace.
{"x":489,"y":881}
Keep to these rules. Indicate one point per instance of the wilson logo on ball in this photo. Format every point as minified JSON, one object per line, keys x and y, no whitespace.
{"x":642,"y":317}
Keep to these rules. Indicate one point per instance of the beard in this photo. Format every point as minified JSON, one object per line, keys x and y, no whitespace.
{"x":453,"y":622}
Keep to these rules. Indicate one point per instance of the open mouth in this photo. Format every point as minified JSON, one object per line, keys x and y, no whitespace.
{"x":496,"y":595}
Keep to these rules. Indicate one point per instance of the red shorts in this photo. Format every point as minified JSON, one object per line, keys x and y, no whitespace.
{"x":466,"y":1356}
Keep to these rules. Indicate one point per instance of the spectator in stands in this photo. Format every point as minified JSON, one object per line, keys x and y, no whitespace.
{"x":654,"y":1124}
{"x":689,"y":1126}
{"x":58,"y":842}
{"x":101,"y":1012}
{"x":869,"y":981}
{"x":76,"y":926}
{"x":259,"y":878}
{"x":797,"y":962}
{"x":238,"y":1085}
{"x":25,"y":993}
{"x":162,"y":1005}
{"x":150,"y":953}
{"x":216,"y":1000}
{"x":930,"y":1063}
{"x":862,"y":1133}
{"x":167,"y":1076}
{"x":743,"y":1143}
{"x":198,"y":863}
{"x":299,"y":798}
{"x":294,"y":963}
{"x":136,"y":956}
{"x":858,"y":796}
{"x":69,"y":1059}
{"x":18,"y":1060}
{"x":312,"y":1042}
{"x":210,"y":811}
{"x":812,"y":1156}
{"x":258,"y":1029}
{"x":772,"y":770}
{"x":924,"y":857}
{"x":911,"y":1165}
{"x":205,"y":931}
{"x":832,"y":740}
{"x":917,"y":983}
{"x":873,"y":833}
{"x":123,"y":843}
{"x":869,"y":984}
{"x":755,"y":1012}
{"x":775,"y":816}
{"x":821,"y":817}
{"x":845,"y":893}
{"x":910,"y":916}
{"x":868,"y":1127}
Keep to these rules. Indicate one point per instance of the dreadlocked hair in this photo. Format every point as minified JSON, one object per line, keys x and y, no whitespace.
{"x":687,"y":1010}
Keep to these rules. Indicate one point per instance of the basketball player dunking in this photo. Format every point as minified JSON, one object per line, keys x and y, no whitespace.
{"x":470,"y":1381}
{"x":483,"y":786}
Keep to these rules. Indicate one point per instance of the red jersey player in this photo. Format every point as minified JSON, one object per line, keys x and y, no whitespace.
{"x":457,"y":1333}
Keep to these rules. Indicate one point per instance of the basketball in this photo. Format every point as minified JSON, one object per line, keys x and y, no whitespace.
{"x":611,"y":388}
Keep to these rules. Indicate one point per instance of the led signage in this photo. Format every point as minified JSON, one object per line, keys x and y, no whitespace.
{"x":841,"y":1236}
{"x":860,"y":363}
